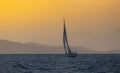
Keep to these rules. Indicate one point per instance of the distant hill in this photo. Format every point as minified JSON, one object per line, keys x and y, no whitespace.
{"x":115,"y":51}
{"x":34,"y":48}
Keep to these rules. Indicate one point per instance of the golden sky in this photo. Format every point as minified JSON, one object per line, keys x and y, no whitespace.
{"x":90,"y":23}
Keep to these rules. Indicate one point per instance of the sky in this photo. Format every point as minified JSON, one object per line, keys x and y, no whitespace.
{"x":93,"y":24}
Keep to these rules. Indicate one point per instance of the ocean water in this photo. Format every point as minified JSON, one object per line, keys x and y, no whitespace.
{"x":58,"y":63}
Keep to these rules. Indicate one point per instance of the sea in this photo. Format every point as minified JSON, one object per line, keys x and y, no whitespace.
{"x":59,"y":63}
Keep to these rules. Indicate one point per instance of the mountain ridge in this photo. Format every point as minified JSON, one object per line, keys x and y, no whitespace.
{"x":11,"y":47}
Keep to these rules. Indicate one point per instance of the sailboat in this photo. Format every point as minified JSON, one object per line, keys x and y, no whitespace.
{"x":68,"y":51}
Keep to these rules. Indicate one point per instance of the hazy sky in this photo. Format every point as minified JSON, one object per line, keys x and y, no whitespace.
{"x":94,"y":24}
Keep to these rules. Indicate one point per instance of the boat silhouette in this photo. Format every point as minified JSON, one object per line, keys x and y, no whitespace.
{"x":68,"y":51}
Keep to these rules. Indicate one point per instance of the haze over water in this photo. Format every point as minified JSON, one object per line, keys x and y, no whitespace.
{"x":93,"y":24}
{"x":30,"y":29}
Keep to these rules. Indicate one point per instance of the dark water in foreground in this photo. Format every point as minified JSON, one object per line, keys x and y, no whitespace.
{"x":83,"y":63}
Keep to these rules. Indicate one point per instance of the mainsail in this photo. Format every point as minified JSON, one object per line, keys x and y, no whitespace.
{"x":68,"y":51}
{"x":65,"y":41}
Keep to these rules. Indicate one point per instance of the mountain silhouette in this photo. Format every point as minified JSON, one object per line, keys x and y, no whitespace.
{"x":10,"y":47}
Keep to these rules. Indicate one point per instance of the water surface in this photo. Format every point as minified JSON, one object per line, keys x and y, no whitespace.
{"x":58,"y":63}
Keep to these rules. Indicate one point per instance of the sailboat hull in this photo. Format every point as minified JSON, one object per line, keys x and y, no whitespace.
{"x":71,"y":54}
